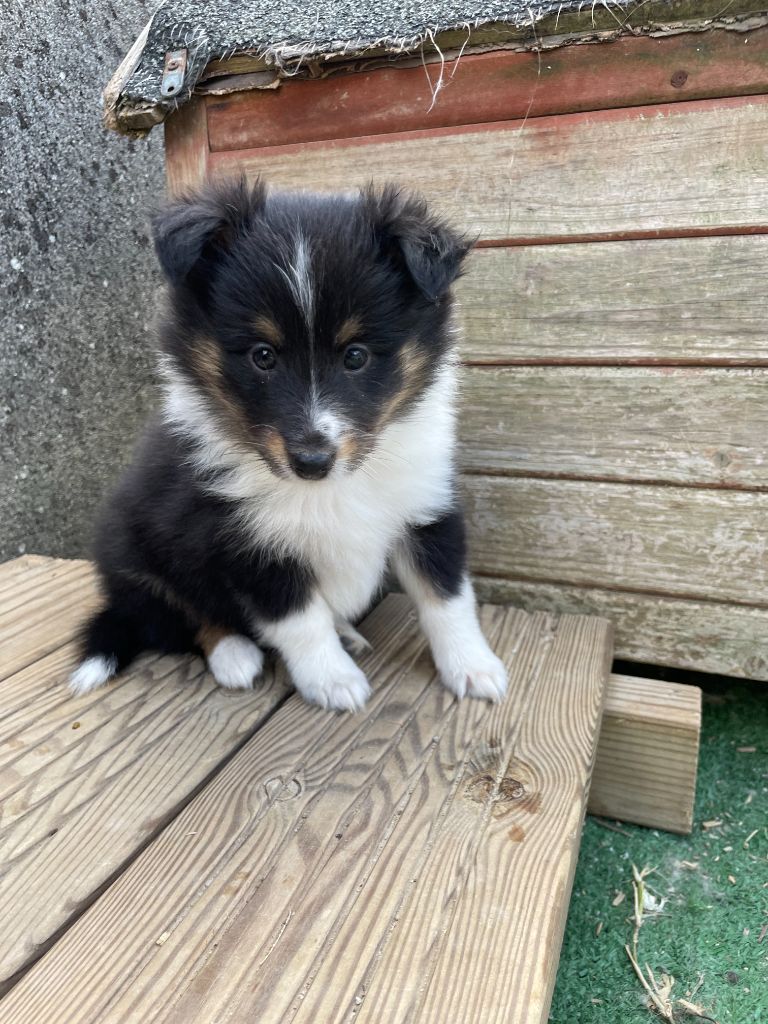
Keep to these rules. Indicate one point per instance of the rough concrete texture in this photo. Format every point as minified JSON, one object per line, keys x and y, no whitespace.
{"x":77,"y":273}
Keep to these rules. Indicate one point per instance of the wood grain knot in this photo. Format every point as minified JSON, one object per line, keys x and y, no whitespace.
{"x":485,"y":787}
{"x":722,"y":458}
{"x":277,"y":789}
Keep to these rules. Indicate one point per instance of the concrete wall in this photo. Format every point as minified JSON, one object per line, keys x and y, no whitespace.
{"x":77,"y":273}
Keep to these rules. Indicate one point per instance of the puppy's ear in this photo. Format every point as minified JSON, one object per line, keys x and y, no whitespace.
{"x":197,"y":226}
{"x":429,"y":249}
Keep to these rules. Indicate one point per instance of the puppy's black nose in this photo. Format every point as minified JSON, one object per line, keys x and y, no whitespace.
{"x":312,"y":465}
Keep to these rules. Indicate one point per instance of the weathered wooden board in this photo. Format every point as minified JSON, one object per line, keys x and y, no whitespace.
{"x":648,"y":754}
{"x":45,"y":610}
{"x":186,"y":147}
{"x":20,"y":567}
{"x":32,"y":599}
{"x":707,"y":636}
{"x":645,"y":170}
{"x":329,"y":867}
{"x":30,"y":575}
{"x":630,"y":423}
{"x":85,"y":783}
{"x":678,"y":300}
{"x":685,"y":542}
{"x":494,"y":86}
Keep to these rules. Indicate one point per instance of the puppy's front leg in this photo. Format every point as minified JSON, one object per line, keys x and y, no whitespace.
{"x":320,"y":668}
{"x":431,"y":566}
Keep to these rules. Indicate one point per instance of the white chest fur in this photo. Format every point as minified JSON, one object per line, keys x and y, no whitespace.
{"x":346,"y":526}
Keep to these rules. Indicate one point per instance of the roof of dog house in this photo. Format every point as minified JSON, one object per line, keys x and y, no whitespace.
{"x":292,"y":38}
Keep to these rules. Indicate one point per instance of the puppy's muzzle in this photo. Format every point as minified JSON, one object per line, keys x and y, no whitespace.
{"x":312,"y":463}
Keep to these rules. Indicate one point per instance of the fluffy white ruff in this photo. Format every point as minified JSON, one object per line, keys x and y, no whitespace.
{"x":320,"y":668}
{"x":466,"y":664}
{"x":92,"y":673}
{"x":235,"y":662}
{"x":346,"y":526}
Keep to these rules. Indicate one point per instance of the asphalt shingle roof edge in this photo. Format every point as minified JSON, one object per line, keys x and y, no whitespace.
{"x":290,"y":34}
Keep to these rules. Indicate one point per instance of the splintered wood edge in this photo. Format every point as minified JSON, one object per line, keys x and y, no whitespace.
{"x":114,"y":87}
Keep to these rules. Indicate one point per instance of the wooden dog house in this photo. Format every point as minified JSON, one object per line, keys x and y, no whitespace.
{"x":612,"y":162}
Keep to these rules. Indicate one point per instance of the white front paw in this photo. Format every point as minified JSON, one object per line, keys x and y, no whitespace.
{"x":474,"y":672}
{"x":338,"y":685}
{"x":235,"y":662}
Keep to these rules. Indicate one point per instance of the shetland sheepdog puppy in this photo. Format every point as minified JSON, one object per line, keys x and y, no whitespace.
{"x":306,"y":444}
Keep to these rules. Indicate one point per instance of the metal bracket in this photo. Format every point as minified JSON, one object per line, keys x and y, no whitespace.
{"x":173,"y":73}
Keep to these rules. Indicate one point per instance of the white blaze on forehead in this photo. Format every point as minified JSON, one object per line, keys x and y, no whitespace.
{"x":298,"y":275}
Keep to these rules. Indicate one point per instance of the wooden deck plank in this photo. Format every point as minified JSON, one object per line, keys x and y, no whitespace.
{"x":314,"y":830}
{"x":499,"y":881}
{"x":26,"y":692}
{"x":85,"y":783}
{"x":230,"y":814}
{"x":62,"y":760}
{"x":707,"y":636}
{"x":568,"y":176}
{"x":56,"y":600}
{"x":35,"y":575}
{"x":24,"y":565}
{"x":685,"y":542}
{"x":648,"y":753}
{"x":665,"y":300}
{"x":52,"y":586}
{"x":625,"y":424}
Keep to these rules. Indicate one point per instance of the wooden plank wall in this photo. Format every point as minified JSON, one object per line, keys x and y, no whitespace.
{"x":614,"y":315}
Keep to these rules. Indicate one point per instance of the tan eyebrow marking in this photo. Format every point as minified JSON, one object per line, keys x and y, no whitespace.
{"x":348,"y":330}
{"x":206,"y":359}
{"x":415,"y":366}
{"x":266,"y":326}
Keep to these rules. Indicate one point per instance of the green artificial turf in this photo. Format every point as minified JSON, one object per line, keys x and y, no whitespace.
{"x":715,"y":920}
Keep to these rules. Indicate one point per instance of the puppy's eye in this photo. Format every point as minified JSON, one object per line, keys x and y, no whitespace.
{"x":264,"y":357}
{"x":355,"y":357}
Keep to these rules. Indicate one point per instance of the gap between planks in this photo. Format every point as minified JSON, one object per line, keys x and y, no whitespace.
{"x":627,"y":235}
{"x":584,"y":477}
{"x":483,"y":575}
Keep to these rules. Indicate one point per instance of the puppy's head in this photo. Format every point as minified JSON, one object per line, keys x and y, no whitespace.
{"x":305,"y":324}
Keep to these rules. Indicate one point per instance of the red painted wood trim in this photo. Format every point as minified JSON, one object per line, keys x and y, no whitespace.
{"x":220,"y":159}
{"x":493,"y":87}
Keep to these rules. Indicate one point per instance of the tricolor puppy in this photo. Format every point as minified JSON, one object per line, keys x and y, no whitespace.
{"x":307,"y":441}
